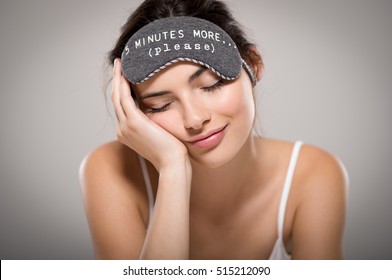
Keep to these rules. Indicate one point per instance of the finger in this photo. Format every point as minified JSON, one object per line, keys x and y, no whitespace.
{"x":116,"y":91}
{"x":127,"y":103}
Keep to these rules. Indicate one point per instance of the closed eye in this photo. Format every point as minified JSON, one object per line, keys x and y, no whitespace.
{"x":158,"y":110}
{"x":215,"y":86}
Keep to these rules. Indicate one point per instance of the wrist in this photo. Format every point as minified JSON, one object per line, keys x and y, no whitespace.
{"x":179,"y":161}
{"x":178,"y":169}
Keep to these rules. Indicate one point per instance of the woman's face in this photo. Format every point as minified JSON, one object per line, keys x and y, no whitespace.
{"x":212,"y":117}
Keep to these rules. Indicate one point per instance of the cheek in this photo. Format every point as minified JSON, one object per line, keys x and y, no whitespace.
{"x":237,"y":102}
{"x":169,"y":121}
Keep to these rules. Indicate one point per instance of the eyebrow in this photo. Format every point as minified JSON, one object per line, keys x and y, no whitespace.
{"x":154,"y":94}
{"x":191,"y":78}
{"x":197,"y":74}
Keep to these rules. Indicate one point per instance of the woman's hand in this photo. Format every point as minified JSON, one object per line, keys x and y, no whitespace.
{"x":137,"y":131}
{"x":170,"y":158}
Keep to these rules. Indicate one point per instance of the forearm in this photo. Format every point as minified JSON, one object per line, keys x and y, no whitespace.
{"x":168,"y":232}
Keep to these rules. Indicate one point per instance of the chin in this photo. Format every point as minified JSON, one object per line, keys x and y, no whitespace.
{"x":233,"y":144}
{"x":215,"y":158}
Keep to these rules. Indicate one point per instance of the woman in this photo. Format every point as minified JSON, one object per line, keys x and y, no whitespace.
{"x":187,"y":178}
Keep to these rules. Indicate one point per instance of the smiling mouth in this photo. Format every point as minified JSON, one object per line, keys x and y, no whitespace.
{"x":211,"y":140}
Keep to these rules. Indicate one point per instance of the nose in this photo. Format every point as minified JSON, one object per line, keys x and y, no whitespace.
{"x":196,"y":115}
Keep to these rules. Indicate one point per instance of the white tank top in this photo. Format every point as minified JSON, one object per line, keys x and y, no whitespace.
{"x":279,"y":251}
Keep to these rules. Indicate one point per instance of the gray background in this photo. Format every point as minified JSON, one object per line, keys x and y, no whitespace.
{"x":327,"y":81}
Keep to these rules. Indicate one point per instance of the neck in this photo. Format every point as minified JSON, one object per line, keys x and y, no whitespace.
{"x":222,"y":186}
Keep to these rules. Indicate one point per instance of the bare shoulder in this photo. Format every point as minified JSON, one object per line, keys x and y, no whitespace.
{"x":113,"y":190}
{"x":314,"y":165}
{"x":109,"y":156}
{"x":111,"y":164}
{"x":315,"y":213}
{"x":320,"y":195}
{"x":111,"y":160}
{"x":318,"y":167}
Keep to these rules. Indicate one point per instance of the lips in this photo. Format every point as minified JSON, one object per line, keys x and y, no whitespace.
{"x":210,"y":139}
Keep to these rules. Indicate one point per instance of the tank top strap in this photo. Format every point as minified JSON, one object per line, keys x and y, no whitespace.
{"x":287,"y":186}
{"x":148,"y":184}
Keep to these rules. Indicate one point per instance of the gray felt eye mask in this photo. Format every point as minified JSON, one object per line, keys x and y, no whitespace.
{"x":170,"y":40}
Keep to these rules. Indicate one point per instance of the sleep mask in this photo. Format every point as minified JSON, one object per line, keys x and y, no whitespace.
{"x":166,"y":41}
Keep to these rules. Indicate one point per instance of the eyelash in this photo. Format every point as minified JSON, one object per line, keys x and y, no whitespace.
{"x":159,"y":110}
{"x":215,"y":86}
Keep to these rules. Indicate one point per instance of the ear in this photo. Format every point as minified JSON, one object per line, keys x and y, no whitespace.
{"x":257,"y":62}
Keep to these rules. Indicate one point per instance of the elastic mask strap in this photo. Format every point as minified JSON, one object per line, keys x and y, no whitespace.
{"x":250,"y":72}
